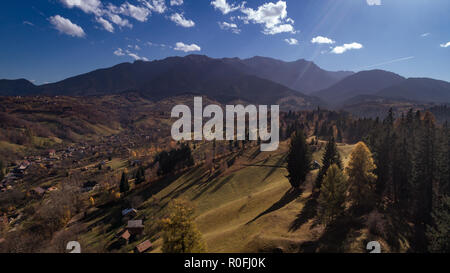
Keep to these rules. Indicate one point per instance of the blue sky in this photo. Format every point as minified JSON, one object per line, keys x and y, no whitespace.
{"x":49,"y":40}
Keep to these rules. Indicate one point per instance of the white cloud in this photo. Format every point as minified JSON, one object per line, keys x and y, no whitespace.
{"x":88,"y":6}
{"x":229,"y":26}
{"x":291,"y":41}
{"x":106,"y":24}
{"x":373,"y":2}
{"x":345,"y":47}
{"x":425,"y":34}
{"x":176,"y":2}
{"x":105,"y":14}
{"x":186,"y":48}
{"x":272,"y":15}
{"x":139,"y":13}
{"x":158,"y":6}
{"x":322,"y":40}
{"x":446,"y":45}
{"x":136,"y":57}
{"x":116,"y":19}
{"x":119,"y":52}
{"x":181,"y":21}
{"x":224,"y":7}
{"x":65,"y":26}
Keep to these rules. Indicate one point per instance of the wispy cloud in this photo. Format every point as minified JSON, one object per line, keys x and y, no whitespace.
{"x":343,"y":48}
{"x":425,"y":34}
{"x":64,"y":25}
{"x":105,"y":24}
{"x":179,"y":19}
{"x":120,"y":52}
{"x":291,"y":41}
{"x":28,"y":23}
{"x":229,"y":26}
{"x":373,"y":2}
{"x":180,"y":46}
{"x":445,"y":45}
{"x":386,"y":63}
{"x":224,"y":7}
{"x":176,"y":2}
{"x":108,"y":14}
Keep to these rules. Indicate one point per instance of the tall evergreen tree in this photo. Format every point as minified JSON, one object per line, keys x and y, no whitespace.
{"x":424,"y":171}
{"x":140,"y":175}
{"x":332,"y":194}
{"x":2,"y":174}
{"x":124,"y":185}
{"x":331,"y":156}
{"x":438,"y":233}
{"x":362,"y":180}
{"x":298,"y":160}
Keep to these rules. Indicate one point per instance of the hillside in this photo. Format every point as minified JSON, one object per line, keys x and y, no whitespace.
{"x":250,"y":208}
{"x":173,"y":76}
{"x":300,"y":75}
{"x":16,"y":87}
{"x":361,"y":83}
{"x":419,"y":89}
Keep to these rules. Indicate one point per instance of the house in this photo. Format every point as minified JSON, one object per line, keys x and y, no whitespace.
{"x":143,"y":247}
{"x":129,"y":213}
{"x":24,"y":165}
{"x":315,"y":165}
{"x":135,"y":227}
{"x":89,"y":186}
{"x":53,"y":188}
{"x":51,"y":153}
{"x":38,"y":191}
{"x":125,"y":237}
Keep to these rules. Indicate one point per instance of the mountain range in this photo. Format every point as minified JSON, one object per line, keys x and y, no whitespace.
{"x":299,"y":84}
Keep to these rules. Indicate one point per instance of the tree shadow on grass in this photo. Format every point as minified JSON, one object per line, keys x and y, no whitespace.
{"x":287,"y":198}
{"x":337,"y":233}
{"x":308,"y":212}
{"x":278,"y":163}
{"x":335,"y":237}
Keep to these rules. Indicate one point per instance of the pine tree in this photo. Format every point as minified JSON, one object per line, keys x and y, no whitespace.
{"x":180,"y":234}
{"x":124,"y":185}
{"x":2,"y":174}
{"x":438,"y":234}
{"x":140,"y":175}
{"x":362,"y":180}
{"x":298,"y":160}
{"x":332,"y":194}
{"x":424,"y":170}
{"x":330,"y":157}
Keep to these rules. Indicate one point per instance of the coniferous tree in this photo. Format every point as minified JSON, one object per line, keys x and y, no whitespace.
{"x":443,"y":164}
{"x":332,"y":194}
{"x":424,"y":172}
{"x":2,"y":174}
{"x":438,"y":233}
{"x":180,"y":234}
{"x":140,"y":175}
{"x":331,"y":156}
{"x":298,"y":160}
{"x":124,"y":185}
{"x":362,"y":180}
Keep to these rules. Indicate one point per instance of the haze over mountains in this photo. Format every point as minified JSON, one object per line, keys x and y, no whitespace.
{"x":300,"y":84}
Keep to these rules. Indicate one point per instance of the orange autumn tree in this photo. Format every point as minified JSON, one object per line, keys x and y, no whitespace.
{"x":361,"y":178}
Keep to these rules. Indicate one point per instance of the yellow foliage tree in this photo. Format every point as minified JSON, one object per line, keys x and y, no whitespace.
{"x":180,"y":234}
{"x":361,"y":177}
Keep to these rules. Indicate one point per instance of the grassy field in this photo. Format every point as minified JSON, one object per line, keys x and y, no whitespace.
{"x":248,"y":208}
